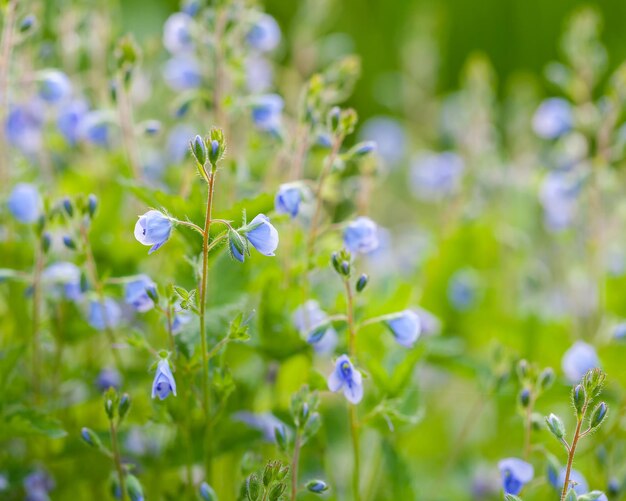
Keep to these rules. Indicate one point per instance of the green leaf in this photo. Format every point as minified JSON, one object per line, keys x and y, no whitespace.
{"x":24,"y":422}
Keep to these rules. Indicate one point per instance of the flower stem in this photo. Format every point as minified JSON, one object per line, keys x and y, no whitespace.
{"x":118,"y":460}
{"x":203,"y":342}
{"x":127,"y":125}
{"x":6,"y":44}
{"x":294,"y":465}
{"x":572,"y":451}
{"x":39,"y":262}
{"x":354,"y":425}
{"x":528,"y":428}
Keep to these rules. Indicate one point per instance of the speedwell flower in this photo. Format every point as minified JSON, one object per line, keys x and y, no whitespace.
{"x":24,"y":203}
{"x":103,"y":315}
{"x":515,"y":474}
{"x":405,"y":327}
{"x":164,"y":382}
{"x":287,"y":200}
{"x":262,"y":235}
{"x":361,"y":235}
{"x":579,"y":359}
{"x":137,"y":293}
{"x":346,"y":377}
{"x":153,"y":228}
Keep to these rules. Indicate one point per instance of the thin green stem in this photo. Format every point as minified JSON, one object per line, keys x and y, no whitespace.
{"x":127,"y":125}
{"x":528,"y":427}
{"x":6,"y":46}
{"x":354,"y":425}
{"x":117,"y":459}
{"x":294,"y":465}
{"x":39,"y":262}
{"x":572,"y":451}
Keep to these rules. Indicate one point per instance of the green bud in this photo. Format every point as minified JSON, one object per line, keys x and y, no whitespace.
{"x":124,"y":405}
{"x":349,"y":119}
{"x":345,"y":268}
{"x":90,"y":437}
{"x":69,"y":242}
{"x":277,"y":491}
{"x":199,"y":151}
{"x":46,"y":240}
{"x":282,"y":440}
{"x":268,"y":474}
{"x":133,"y":487}
{"x":555,"y":425}
{"x":253,"y":487}
{"x":237,"y":245}
{"x":524,"y":397}
{"x":67,"y":205}
{"x":126,"y":54}
{"x":27,"y":24}
{"x":92,"y":204}
{"x":598,"y":415}
{"x":579,"y":397}
{"x":334,"y":259}
{"x":546,"y":378}
{"x":593,"y":381}
{"x":522,"y":369}
{"x":361,"y":282}
{"x":216,"y":145}
{"x":334,"y":119}
{"x":317,"y":486}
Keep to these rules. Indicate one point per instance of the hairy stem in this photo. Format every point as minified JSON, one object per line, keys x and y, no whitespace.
{"x":39,"y":262}
{"x":117,"y":459}
{"x":6,"y":45}
{"x":572,"y":452}
{"x":354,"y":425}
{"x":294,"y":466}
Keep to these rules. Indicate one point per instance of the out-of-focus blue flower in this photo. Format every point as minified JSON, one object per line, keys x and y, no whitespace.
{"x":262,"y":235}
{"x":180,"y":319}
{"x":463,"y":290}
{"x":434,"y":176}
{"x":207,"y":493}
{"x":177,"y":33}
{"x":25,"y":203}
{"x":102,"y":316}
{"x":389,"y":135}
{"x":136,"y":293}
{"x":63,"y":278}
{"x":264,"y":422}
{"x":37,"y":485}
{"x":95,"y":128}
{"x":178,"y":142}
{"x":259,"y":74}
{"x":267,"y":112}
{"x":264,"y":35}
{"x":153,"y":228}
{"x":346,"y":377}
{"x":182,"y":73}
{"x":429,"y":323}
{"x":108,"y":378}
{"x":619,"y":331}
{"x":361,"y":236}
{"x":54,"y":86}
{"x":287,"y":200}
{"x":515,"y":474}
{"x":558,"y":196}
{"x":405,"y":327}
{"x":579,"y":359}
{"x":577,"y":481}
{"x":553,"y":118}
{"x":23,"y":126}
{"x":69,"y":119}
{"x":309,"y":316}
{"x":164,"y":382}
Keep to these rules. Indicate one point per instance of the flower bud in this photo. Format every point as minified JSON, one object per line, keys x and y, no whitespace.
{"x":133,"y":487}
{"x":280,"y":433}
{"x":362,"y":149}
{"x":522,"y":369}
{"x":334,"y":259}
{"x":345,"y":268}
{"x":92,"y":204}
{"x":334,"y":118}
{"x":217,"y":145}
{"x":67,"y":205}
{"x":598,"y":415}
{"x":253,"y":487}
{"x":124,"y":405}
{"x":361,"y":282}
{"x":317,"y":486}
{"x":524,"y":397}
{"x":579,"y":397}
{"x":546,"y":378}
{"x":277,"y":491}
{"x":555,"y":425}
{"x":69,"y":242}
{"x":199,"y":151}
{"x":207,"y":493}
{"x":90,"y":437}
{"x":27,"y":24}
{"x":151,"y":127}
{"x":237,"y":245}
{"x":46,"y":240}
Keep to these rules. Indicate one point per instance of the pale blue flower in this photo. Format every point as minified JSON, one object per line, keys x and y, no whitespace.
{"x":207,"y":493}
{"x":69,"y":119}
{"x":578,"y":360}
{"x":434,"y":176}
{"x":307,"y":318}
{"x":108,"y":378}
{"x":37,"y":485}
{"x":267,"y":112}
{"x":264,"y":35}
{"x":95,"y":128}
{"x":262,"y":235}
{"x":463,"y":289}
{"x":177,"y":144}
{"x":346,"y":377}
{"x":164,"y":382}
{"x":619,"y":331}
{"x":153,"y":228}
{"x":100,"y":317}
{"x":63,"y":278}
{"x":287,"y":200}
{"x":23,"y":126}
{"x":136,"y":293}
{"x":177,"y":33}
{"x":559,"y":197}
{"x":515,"y":474}
{"x":429,"y":323}
{"x":182,"y":73}
{"x":576,"y":479}
{"x":361,"y":236}
{"x":264,"y":422}
{"x":54,"y":86}
{"x":405,"y":327}
{"x":25,"y":203}
{"x":259,"y":74}
{"x":553,"y":118}
{"x":389,"y":135}
{"x":180,"y":319}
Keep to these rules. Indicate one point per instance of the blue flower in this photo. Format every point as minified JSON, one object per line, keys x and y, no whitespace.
{"x":100,"y":317}
{"x":429,"y":323}
{"x":287,"y":200}
{"x":69,"y":119}
{"x":405,"y":327}
{"x":389,"y":135}
{"x":182,"y":73}
{"x":264,"y":35}
{"x":108,"y":378}
{"x":576,"y":479}
{"x":180,"y":319}
{"x":153,"y":228}
{"x":259,"y":74}
{"x":63,"y":277}
{"x":236,"y":253}
{"x":207,"y":493}
{"x":346,"y":377}
{"x":558,"y":196}
{"x":553,"y":118}
{"x":265,"y":422}
{"x":361,"y":236}
{"x":619,"y":331}
{"x":262,"y":235}
{"x":37,"y":485}
{"x":178,"y":142}
{"x":136,"y":293}
{"x":515,"y":474}
{"x":164,"y":382}
{"x":23,"y":126}
{"x":267,"y":111}
{"x":54,"y":86}
{"x":95,"y":128}
{"x":307,"y":318}
{"x":463,"y":289}
{"x":434,"y":176}
{"x":177,"y":33}
{"x":579,"y":359}
{"x":25,"y":203}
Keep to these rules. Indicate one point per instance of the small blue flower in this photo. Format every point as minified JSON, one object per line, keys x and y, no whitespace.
{"x":619,"y":331}
{"x":287,"y":200}
{"x":180,"y":319}
{"x":434,"y":176}
{"x":267,"y":112}
{"x":405,"y":327}
{"x":25,"y":203}
{"x":153,"y":228}
{"x":361,"y":236}
{"x":262,"y":235}
{"x":553,"y":118}
{"x":177,"y":145}
{"x":389,"y":135}
{"x":309,"y":316}
{"x":182,"y":73}
{"x":164,"y":382}
{"x":54,"y":86}
{"x":264,"y":422}
{"x":346,"y":377}
{"x":515,"y":474}
{"x":559,"y":197}
{"x":69,"y":119}
{"x":207,"y":493}
{"x":23,"y":126}
{"x":136,"y":293}
{"x":95,"y":128}
{"x":579,"y":359}
{"x":239,"y":256}
{"x":100,"y":317}
{"x":108,"y":378}
{"x":63,"y":277}
{"x":429,"y":323}
{"x":37,"y":485}
{"x":463,"y":289}
{"x":259,"y":74}
{"x":177,"y":33}
{"x":264,"y":35}
{"x":576,"y":479}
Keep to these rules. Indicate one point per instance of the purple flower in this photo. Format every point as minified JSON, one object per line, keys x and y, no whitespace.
{"x":102,"y":316}
{"x":515,"y":474}
{"x":553,"y":118}
{"x":361,"y":236}
{"x":69,"y":119}
{"x":558,"y":196}
{"x":405,"y":327}
{"x":262,"y":235}
{"x":178,"y":142}
{"x":578,"y":360}
{"x":95,"y":128}
{"x":267,"y":112}
{"x":287,"y":200}
{"x":619,"y":331}
{"x":264,"y":35}
{"x":389,"y":135}
{"x":23,"y":126}
{"x":25,"y":203}
{"x":153,"y":228}
{"x":182,"y":73}
{"x":63,"y":277}
{"x":346,"y":377}
{"x":576,"y":479}
{"x":54,"y":86}
{"x":177,"y":33}
{"x":136,"y":293}
{"x":108,"y":378}
{"x":434,"y":176}
{"x":37,"y":485}
{"x":164,"y":382}
{"x":311,"y":322}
